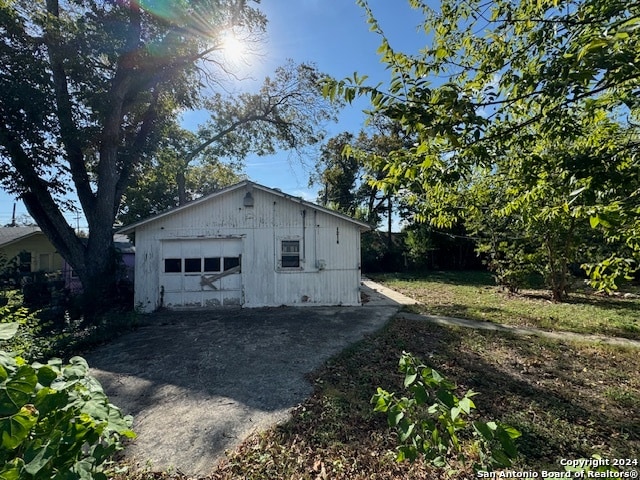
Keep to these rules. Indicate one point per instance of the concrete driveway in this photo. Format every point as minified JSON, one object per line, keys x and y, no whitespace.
{"x":199,"y":382}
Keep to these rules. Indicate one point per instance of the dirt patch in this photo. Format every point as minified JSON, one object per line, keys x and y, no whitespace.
{"x":199,"y":382}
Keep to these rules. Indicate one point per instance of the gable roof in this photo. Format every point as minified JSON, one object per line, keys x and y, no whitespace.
{"x":9,"y":235}
{"x":245,"y":183}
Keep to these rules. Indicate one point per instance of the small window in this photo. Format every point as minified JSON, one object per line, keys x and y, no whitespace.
{"x":192,"y":265}
{"x":290,"y":254}
{"x":172,"y":265}
{"x":231,"y":262}
{"x":212,"y":264}
{"x":24,"y":262}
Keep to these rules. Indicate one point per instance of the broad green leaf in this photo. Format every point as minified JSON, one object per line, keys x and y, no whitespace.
{"x":8,"y":330}
{"x":446,"y":397}
{"x":395,"y":416}
{"x":46,"y":375}
{"x":466,"y":404}
{"x":48,"y":399}
{"x":409,"y":379}
{"x":15,"y":428}
{"x":17,"y":390}
{"x":420,"y":393}
{"x":35,"y":463}
{"x":455,"y":411}
{"x":77,"y":368}
{"x":483,"y":429}
{"x":11,"y":471}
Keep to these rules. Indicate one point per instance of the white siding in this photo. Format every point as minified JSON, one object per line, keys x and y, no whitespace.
{"x":329,"y":249}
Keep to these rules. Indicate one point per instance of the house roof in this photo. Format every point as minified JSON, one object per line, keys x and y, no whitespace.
{"x":9,"y":235}
{"x":245,"y":183}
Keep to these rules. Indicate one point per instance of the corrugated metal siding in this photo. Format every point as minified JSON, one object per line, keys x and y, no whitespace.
{"x":330,"y":250}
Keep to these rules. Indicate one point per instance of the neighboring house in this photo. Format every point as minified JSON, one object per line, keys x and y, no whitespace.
{"x":127,"y":253}
{"x":32,"y":248}
{"x":247,"y":245}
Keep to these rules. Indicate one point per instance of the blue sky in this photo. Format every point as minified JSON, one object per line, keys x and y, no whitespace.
{"x":334,"y":35}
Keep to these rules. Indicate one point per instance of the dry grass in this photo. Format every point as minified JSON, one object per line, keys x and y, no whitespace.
{"x":568,"y":400}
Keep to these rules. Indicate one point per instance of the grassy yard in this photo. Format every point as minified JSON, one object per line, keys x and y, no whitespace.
{"x":570,"y":401}
{"x":473,"y":295}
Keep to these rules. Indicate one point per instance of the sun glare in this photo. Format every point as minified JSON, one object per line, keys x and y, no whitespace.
{"x":232,"y":47}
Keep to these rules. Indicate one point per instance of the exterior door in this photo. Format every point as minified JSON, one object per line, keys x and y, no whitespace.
{"x":201,"y":272}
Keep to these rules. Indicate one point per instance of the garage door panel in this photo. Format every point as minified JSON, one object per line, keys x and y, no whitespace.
{"x":232,"y":282}
{"x":191,"y":299}
{"x":172,"y":299}
{"x":201,"y":259}
{"x":172,"y":283}
{"x":171,"y":249}
{"x":192,"y":283}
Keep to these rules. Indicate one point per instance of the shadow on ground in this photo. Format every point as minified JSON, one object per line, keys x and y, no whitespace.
{"x":199,"y":382}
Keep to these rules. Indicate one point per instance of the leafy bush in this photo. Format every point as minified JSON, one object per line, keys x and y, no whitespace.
{"x":55,"y":420}
{"x":434,"y":433}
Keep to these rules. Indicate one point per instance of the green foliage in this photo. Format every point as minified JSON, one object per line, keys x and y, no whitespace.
{"x":25,"y":341}
{"x":430,"y":420}
{"x":539,"y":96}
{"x":55,"y":420}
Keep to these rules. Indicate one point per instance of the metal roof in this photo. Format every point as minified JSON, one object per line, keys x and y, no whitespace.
{"x":245,"y":183}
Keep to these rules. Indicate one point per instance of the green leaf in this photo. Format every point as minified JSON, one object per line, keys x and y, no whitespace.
{"x":407,"y":432}
{"x":455,"y":411}
{"x":506,"y":442}
{"x":46,"y":375}
{"x":446,"y":397}
{"x":466,"y":404}
{"x":420,"y":393}
{"x":484,"y":430}
{"x":15,"y":428}
{"x":47,"y":400}
{"x":8,"y":330}
{"x":409,"y":379}
{"x":78,"y":368}
{"x":395,"y":416}
{"x":17,"y":390}
{"x":11,"y":471}
{"x":436,"y":376}
{"x":44,"y":454}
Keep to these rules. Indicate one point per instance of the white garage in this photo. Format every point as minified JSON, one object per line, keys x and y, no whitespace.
{"x":246,"y":245}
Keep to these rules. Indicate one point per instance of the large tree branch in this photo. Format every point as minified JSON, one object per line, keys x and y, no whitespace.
{"x":107,"y":171}
{"x":68,"y":131}
{"x":148,"y":123}
{"x":41,"y":205}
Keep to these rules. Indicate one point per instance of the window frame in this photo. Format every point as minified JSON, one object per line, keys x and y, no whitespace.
{"x":164,"y":266}
{"x":282,"y":242}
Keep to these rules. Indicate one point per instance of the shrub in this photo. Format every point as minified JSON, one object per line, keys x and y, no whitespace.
{"x":430,"y":420}
{"x":55,"y":420}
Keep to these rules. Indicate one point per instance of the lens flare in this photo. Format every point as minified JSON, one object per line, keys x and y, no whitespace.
{"x":232,"y":46}
{"x":165,"y":9}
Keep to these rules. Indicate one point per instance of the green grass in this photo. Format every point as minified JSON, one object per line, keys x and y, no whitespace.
{"x":474,"y":295}
{"x":569,"y":400}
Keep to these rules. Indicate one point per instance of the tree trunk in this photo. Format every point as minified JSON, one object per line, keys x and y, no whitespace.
{"x":182,"y":187}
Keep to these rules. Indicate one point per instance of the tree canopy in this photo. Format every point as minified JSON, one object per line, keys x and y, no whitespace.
{"x":288,"y":112}
{"x":85,"y":87}
{"x":542,"y":94}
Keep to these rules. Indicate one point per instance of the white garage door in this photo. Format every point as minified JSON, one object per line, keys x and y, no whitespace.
{"x":201,"y":273}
